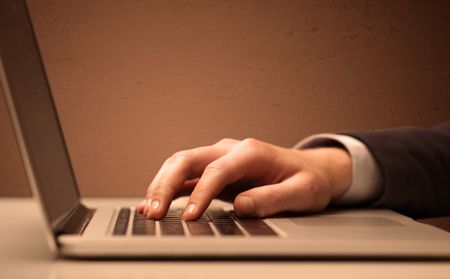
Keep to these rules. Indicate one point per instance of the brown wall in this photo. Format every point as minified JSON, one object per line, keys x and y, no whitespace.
{"x":135,"y":81}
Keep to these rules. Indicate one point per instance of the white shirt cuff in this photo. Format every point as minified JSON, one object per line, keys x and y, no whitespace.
{"x":366,"y":176}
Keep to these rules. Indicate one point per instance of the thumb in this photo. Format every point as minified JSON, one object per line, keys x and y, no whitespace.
{"x":298,"y":194}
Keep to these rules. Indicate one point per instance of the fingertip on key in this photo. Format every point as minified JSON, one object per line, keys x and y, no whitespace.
{"x":154,"y":208}
{"x":148,"y":202}
{"x":140,"y":206}
{"x":189,"y":212}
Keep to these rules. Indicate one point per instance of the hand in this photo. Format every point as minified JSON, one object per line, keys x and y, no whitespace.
{"x":262,"y":179}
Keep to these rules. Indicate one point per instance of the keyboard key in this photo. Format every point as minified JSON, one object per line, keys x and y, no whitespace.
{"x":200,"y":227}
{"x":256,"y":227}
{"x":143,"y":226}
{"x":224,"y":223}
{"x":172,"y":224}
{"x":121,"y":225}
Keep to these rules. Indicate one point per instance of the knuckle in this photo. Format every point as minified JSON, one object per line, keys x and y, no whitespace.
{"x":200,"y":194}
{"x":310,"y":187}
{"x":179,"y":155}
{"x":251,"y":142}
{"x":215,"y":167}
{"x":158,"y":192}
{"x":255,"y":147}
{"x":225,"y":141}
{"x":256,"y":151}
{"x":161,"y":193}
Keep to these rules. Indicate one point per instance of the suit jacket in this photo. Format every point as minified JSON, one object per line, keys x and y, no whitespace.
{"x":415,"y":166}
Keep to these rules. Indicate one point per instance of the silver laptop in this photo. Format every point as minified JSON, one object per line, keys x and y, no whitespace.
{"x":75,"y":230}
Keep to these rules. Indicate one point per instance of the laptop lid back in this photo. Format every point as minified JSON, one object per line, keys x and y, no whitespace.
{"x":32,"y":110}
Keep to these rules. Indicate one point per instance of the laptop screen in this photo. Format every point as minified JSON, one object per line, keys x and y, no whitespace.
{"x":33,"y":114}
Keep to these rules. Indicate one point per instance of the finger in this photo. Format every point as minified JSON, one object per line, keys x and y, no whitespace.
{"x":147,"y":205}
{"x":246,"y":160}
{"x":175,"y":171}
{"x":296,"y":194}
{"x":185,"y":190}
{"x":180,"y":167}
{"x":224,"y":144}
{"x":140,"y":206}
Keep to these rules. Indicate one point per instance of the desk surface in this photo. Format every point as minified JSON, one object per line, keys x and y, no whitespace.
{"x":24,"y":254}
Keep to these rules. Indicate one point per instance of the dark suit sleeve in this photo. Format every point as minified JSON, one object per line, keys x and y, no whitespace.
{"x":415,"y":165}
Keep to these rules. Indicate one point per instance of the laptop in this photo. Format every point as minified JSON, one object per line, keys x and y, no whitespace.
{"x":76,"y":230}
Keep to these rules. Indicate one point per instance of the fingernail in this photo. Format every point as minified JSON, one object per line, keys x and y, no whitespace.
{"x":189,"y":210}
{"x":247,"y":205}
{"x":147,"y":206}
{"x":155,"y":205}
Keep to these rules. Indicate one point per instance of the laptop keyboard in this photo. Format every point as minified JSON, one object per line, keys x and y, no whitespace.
{"x":120,"y":228}
{"x":212,"y":223}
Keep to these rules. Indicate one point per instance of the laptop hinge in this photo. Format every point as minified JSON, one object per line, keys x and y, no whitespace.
{"x":78,"y":219}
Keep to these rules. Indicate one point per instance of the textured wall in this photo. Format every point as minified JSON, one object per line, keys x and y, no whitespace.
{"x":135,"y":81}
